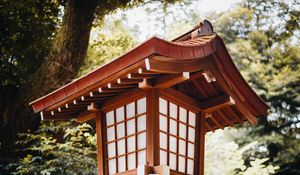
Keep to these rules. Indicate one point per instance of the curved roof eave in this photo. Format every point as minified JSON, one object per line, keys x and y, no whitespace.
{"x":214,"y":45}
{"x":150,"y":47}
{"x":254,"y":102}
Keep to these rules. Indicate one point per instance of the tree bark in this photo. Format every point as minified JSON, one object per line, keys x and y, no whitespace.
{"x":59,"y":68}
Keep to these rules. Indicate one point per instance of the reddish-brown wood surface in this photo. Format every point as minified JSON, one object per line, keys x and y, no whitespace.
{"x":152,"y":127}
{"x":100,"y":155}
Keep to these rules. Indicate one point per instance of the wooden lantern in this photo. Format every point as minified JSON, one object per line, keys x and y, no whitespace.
{"x":154,"y":104}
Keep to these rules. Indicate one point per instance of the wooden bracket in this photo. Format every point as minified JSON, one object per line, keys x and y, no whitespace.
{"x":206,"y":106}
{"x":171,"y":80}
{"x":164,"y":81}
{"x":209,"y":76}
{"x":145,"y":84}
{"x":89,"y":114}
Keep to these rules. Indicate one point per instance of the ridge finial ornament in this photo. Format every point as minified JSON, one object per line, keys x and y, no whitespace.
{"x":205,"y":28}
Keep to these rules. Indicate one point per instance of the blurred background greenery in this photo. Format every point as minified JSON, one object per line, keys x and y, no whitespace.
{"x":261,"y":36}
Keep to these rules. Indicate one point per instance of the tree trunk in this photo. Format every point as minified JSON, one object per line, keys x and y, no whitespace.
{"x":59,"y":68}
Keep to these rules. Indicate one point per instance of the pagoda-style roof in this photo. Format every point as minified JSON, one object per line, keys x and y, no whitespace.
{"x":195,"y":66}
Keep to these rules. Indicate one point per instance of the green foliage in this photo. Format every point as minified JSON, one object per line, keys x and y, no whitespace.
{"x":222,"y":152}
{"x":107,"y":42}
{"x":71,"y":151}
{"x":62,"y":147}
{"x":26,"y":33}
{"x":266,"y":50}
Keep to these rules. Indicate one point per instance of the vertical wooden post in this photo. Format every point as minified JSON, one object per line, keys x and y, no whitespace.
{"x":152,"y":127}
{"x":202,"y":144}
{"x":100,"y":154}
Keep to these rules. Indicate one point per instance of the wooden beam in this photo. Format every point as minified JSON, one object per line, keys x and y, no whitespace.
{"x":221,"y":115}
{"x":161,"y":64}
{"x":205,"y":106}
{"x":46,"y":116}
{"x":181,"y":98}
{"x":167,"y":81}
{"x":122,"y":99}
{"x":217,"y":123}
{"x":112,"y":90}
{"x":143,"y":71}
{"x":232,"y":90}
{"x":120,"y":86}
{"x":216,"y":103}
{"x":209,"y":76}
{"x":196,"y":75}
{"x":207,"y":125}
{"x":89,"y":114}
{"x":202,"y":144}
{"x":140,"y":76}
{"x":152,"y":118}
{"x":128,"y":81}
{"x":100,"y":155}
{"x":145,"y":84}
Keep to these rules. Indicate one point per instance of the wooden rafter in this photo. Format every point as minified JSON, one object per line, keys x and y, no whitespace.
{"x":205,"y":106}
{"x":217,"y":103}
{"x":164,"y":81}
{"x":162,"y":64}
{"x":121,"y":86}
{"x":239,"y":98}
{"x":128,"y":81}
{"x":221,"y":115}
{"x":89,"y":114}
{"x":167,"y":81}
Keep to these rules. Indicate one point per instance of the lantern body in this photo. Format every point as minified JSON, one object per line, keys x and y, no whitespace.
{"x":153,"y":131}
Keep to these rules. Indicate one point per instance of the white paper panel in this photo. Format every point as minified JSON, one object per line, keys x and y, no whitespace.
{"x":173,"y":110}
{"x":142,"y":157}
{"x":121,"y":147}
{"x":182,"y":130}
{"x":112,"y":166}
{"x":121,"y":164}
{"x":142,"y":140}
{"x":163,"y":157}
{"x":163,"y":123}
{"x":173,"y":127}
{"x":181,"y":164}
{"x":190,"y":166}
{"x":130,"y":126}
{"x":163,"y":106}
{"x":191,"y":150}
{"x":182,"y":145}
{"x":182,"y":114}
{"x":120,"y":114}
{"x":163,"y":140}
{"x":131,"y":144}
{"x":110,"y":118}
{"x":121,"y":130}
{"x":131,"y":161}
{"x":173,"y":144}
{"x":110,"y":133}
{"x":130,"y":110}
{"x":141,"y":105}
{"x":191,"y":134}
{"x":111,"y":150}
{"x":172,"y":161}
{"x":192,"y":118}
{"x":141,"y":123}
